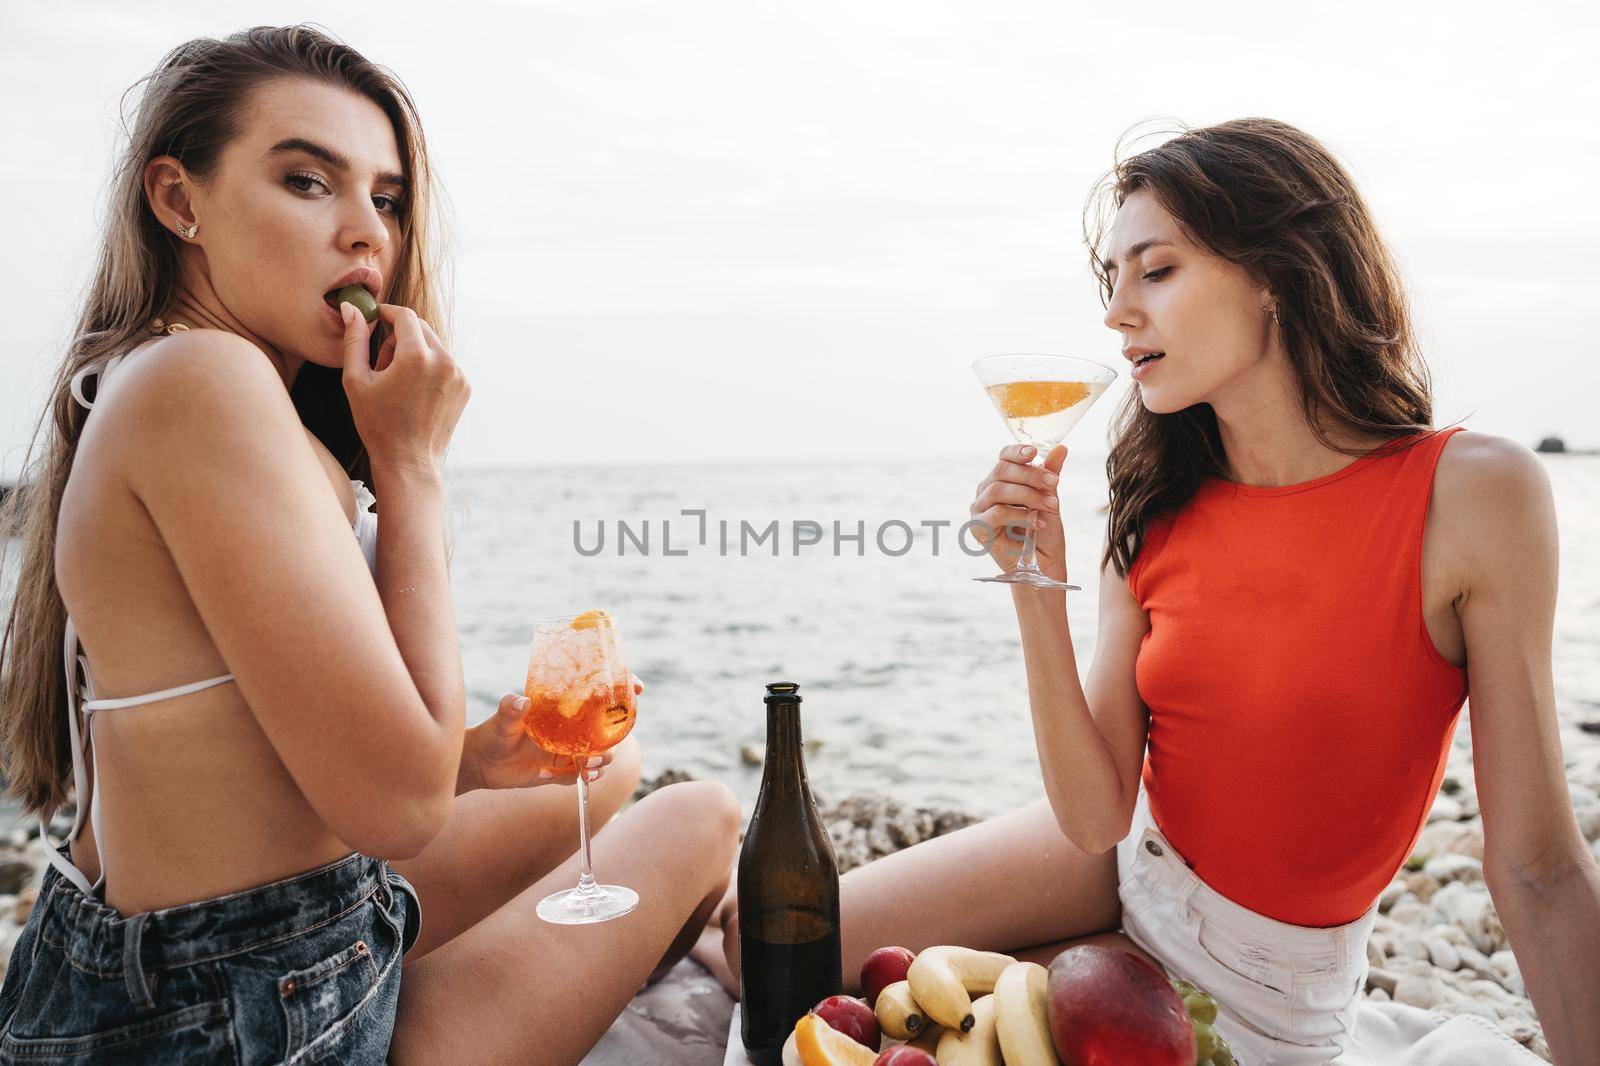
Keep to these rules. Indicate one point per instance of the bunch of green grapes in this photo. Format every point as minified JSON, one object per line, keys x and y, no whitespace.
{"x":1210,"y":1048}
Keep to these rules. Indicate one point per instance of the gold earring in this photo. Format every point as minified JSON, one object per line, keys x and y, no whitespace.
{"x":187,"y":233}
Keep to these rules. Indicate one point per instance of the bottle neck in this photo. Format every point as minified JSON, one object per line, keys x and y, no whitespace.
{"x":785,"y":762}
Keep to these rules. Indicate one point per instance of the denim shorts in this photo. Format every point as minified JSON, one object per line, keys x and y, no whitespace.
{"x":301,"y":970}
{"x":1287,"y":995}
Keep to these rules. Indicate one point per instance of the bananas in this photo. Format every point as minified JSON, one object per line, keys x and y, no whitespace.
{"x":944,"y":979}
{"x":898,"y":1013}
{"x":978,"y":1045}
{"x":1019,"y":1011}
{"x":1007,"y":1024}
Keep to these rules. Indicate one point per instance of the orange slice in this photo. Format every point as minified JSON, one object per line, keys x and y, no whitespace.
{"x":591,"y":620}
{"x":1031,"y":399}
{"x":821,"y":1045}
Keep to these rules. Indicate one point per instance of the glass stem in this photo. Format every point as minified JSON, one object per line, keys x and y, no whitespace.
{"x":586,"y":885}
{"x":1026,"y":562}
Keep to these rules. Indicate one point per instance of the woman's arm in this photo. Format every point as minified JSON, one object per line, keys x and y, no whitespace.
{"x":1091,"y":744}
{"x":364,"y":709}
{"x":413,"y":580}
{"x":1090,"y":738}
{"x":1544,"y":883}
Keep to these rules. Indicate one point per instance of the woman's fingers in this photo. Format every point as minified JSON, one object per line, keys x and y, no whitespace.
{"x":408,"y":336}
{"x":433,"y":338}
{"x":1018,"y":496}
{"x":594,"y":765}
{"x":385,"y":353}
{"x":508,"y":716}
{"x":356,"y":336}
{"x":563,"y":769}
{"x":1005,"y":492}
{"x":1039,"y":477}
{"x":1005,"y":521}
{"x":566,"y":768}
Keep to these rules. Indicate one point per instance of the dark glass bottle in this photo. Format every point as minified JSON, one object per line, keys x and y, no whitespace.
{"x":788,"y":893}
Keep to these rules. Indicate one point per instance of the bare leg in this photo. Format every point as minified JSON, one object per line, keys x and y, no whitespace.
{"x":692,"y":932}
{"x":500,"y":841}
{"x":1007,"y":884}
{"x":514,"y":989}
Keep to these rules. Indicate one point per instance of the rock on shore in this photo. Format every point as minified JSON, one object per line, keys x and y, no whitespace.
{"x":863,"y":828}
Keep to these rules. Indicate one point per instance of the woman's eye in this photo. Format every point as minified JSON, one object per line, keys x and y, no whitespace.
{"x":1157,"y":275}
{"x":304,"y":182}
{"x":387,"y":204}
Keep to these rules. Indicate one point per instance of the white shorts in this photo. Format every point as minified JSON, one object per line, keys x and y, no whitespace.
{"x":1286,"y":994}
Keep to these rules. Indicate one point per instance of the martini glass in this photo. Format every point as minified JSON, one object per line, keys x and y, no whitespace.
{"x":1040,"y":397}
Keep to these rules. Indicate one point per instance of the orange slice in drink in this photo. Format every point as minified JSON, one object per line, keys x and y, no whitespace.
{"x":1033,"y":399}
{"x":821,"y":1045}
{"x":591,"y":620}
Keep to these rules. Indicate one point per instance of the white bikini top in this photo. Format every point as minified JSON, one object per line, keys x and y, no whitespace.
{"x":85,"y":782}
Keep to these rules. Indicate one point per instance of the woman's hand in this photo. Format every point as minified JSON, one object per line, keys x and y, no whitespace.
{"x":1004,"y":500}
{"x":407,"y":407}
{"x":499,"y":753}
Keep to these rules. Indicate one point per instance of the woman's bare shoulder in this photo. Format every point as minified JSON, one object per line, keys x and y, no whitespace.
{"x":1492,"y":502}
{"x":194,"y":386}
{"x":191,"y":397}
{"x":1474,"y":465}
{"x":201,"y":365}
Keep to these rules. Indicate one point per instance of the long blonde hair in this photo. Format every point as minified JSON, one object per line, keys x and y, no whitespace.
{"x":190,"y":108}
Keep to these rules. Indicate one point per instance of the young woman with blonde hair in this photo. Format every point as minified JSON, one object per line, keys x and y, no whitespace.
{"x":254,"y":850}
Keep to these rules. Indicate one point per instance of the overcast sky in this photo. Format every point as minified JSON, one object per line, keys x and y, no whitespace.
{"x":742,"y":229}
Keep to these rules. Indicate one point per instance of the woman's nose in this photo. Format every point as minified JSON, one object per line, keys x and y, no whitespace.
{"x":1119,"y":313}
{"x":365,"y":230}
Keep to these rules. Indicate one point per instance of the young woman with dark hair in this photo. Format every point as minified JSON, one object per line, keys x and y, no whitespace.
{"x":1303,"y":580}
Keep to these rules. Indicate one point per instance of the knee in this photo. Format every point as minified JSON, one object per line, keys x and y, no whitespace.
{"x":717,"y":807}
{"x":720,"y":808}
{"x":707,"y":808}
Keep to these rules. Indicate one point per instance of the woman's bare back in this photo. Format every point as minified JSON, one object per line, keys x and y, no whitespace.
{"x":195,"y":803}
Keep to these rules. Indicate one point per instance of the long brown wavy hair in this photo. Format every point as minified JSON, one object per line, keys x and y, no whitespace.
{"x":190,"y":108}
{"x":1271,"y":199}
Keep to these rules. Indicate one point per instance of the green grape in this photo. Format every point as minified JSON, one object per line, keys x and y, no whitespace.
{"x":1205,"y":1040}
{"x":1201,"y":1007}
{"x":360,"y":298}
{"x":1223,"y":1056}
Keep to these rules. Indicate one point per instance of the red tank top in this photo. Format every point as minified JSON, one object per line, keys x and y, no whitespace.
{"x":1300,"y":715}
